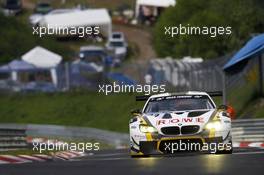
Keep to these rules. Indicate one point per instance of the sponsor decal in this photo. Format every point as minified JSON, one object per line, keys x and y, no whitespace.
{"x":140,"y":136}
{"x":179,"y":120}
{"x":179,"y":97}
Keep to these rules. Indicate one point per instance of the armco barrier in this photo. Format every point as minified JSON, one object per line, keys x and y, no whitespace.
{"x":12,"y":137}
{"x":81,"y":133}
{"x":248,"y":130}
{"x":71,"y":133}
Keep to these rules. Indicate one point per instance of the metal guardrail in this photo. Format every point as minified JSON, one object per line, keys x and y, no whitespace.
{"x":12,"y":137}
{"x":80,"y":133}
{"x":64,"y":132}
{"x":249,"y":130}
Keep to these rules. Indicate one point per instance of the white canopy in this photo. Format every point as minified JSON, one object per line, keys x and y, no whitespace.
{"x":157,"y":3}
{"x":41,"y":57}
{"x":83,"y":18}
{"x":154,"y":3}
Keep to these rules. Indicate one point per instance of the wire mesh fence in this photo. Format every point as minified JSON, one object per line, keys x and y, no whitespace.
{"x":181,"y":75}
{"x":79,"y":75}
{"x":240,"y":84}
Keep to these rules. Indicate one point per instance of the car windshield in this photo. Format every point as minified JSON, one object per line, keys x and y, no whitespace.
{"x":179,"y":103}
{"x":116,"y":44}
{"x":116,"y":36}
{"x":92,"y":56}
{"x":12,"y":2}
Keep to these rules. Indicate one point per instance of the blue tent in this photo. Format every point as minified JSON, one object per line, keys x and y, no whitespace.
{"x":76,"y":67}
{"x":20,"y":65}
{"x":4,"y":68}
{"x":253,"y":47}
{"x":121,"y":78}
{"x":17,"y":65}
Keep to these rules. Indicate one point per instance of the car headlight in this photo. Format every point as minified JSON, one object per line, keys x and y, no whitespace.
{"x":146,"y":129}
{"x":214,"y":125}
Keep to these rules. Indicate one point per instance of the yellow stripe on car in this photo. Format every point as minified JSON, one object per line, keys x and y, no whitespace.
{"x":148,"y":135}
{"x":212,"y":133}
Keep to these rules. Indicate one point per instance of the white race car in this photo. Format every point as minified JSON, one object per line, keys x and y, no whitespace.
{"x":172,"y":123}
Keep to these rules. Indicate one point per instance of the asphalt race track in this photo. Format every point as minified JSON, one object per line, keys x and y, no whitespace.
{"x":249,"y":161}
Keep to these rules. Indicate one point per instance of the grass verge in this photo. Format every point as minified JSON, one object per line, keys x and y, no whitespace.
{"x":88,"y":109}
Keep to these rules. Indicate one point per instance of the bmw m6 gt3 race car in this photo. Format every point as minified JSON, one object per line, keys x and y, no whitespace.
{"x":180,"y":122}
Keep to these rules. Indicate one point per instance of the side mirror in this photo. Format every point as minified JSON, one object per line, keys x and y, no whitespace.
{"x":229,"y":109}
{"x":136,"y":112}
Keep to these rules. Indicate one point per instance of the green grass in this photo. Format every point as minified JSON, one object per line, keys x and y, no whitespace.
{"x":241,"y":98}
{"x":88,"y":109}
{"x":255,"y":108}
{"x":260,"y":113}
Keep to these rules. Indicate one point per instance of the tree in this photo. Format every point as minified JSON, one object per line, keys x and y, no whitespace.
{"x":244,"y":16}
{"x":17,"y":38}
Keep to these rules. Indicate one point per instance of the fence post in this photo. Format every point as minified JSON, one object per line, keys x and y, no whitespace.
{"x":223,"y":76}
{"x":224,"y":88}
{"x":67,"y":75}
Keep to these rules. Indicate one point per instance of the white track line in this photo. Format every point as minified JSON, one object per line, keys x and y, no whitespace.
{"x":244,"y":153}
{"x":3,"y":162}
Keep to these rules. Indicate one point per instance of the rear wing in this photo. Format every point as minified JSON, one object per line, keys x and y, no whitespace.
{"x":211,"y":94}
{"x":142,"y":98}
{"x":215,"y":93}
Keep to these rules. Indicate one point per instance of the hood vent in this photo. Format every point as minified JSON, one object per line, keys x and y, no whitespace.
{"x":179,"y":113}
{"x":191,"y":129}
{"x":156,"y":115}
{"x":196,"y":113}
{"x":166,"y":116}
{"x":172,"y":130}
{"x":184,"y":130}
